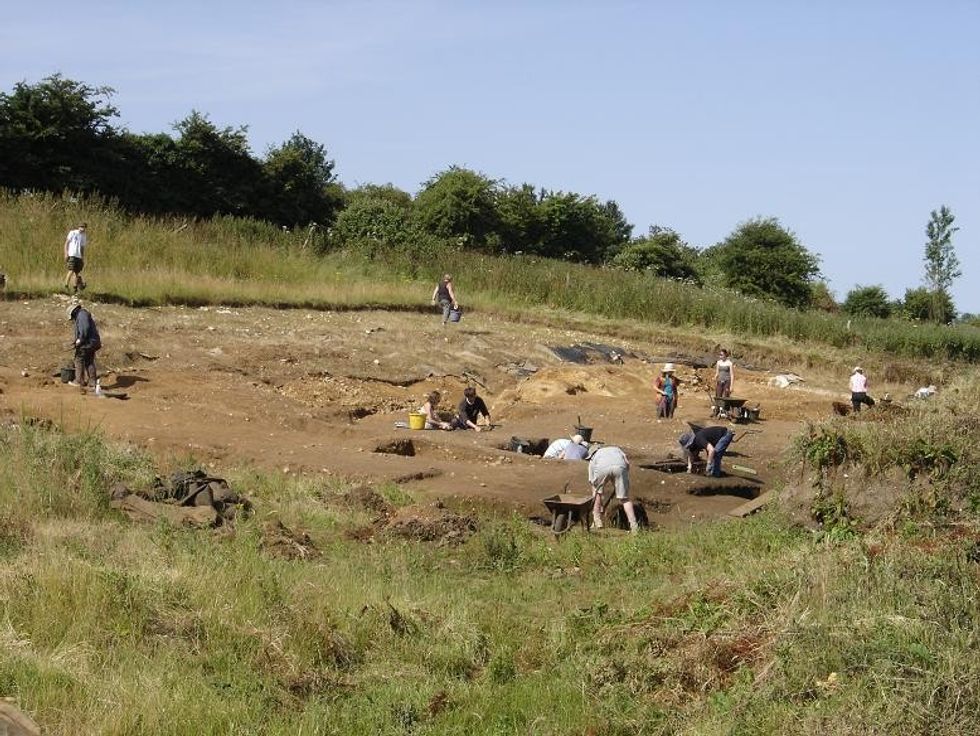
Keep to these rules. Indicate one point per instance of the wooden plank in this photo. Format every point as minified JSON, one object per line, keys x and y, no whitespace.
{"x":750,"y":507}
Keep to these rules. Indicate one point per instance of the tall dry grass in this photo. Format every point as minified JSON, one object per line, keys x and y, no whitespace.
{"x":227,"y":260}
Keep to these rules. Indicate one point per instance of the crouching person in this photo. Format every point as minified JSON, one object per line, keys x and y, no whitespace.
{"x":609,"y":464}
{"x":87,"y":344}
{"x":471,"y":408}
{"x":714,"y":440}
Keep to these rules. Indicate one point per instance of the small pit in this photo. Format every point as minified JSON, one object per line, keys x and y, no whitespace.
{"x":522,"y":446}
{"x":741,"y":490}
{"x":403,"y":447}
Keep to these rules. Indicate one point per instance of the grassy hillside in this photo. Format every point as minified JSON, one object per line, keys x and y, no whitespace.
{"x":227,"y":260}
{"x":745,"y":627}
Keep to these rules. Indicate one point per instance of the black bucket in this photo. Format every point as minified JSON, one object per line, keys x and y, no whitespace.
{"x":586,"y":433}
{"x":67,"y":374}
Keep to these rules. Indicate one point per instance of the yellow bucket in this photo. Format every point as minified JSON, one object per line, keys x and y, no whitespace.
{"x":416,"y":421}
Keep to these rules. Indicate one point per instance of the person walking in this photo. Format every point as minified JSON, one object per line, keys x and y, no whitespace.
{"x":859,"y":389}
{"x":75,"y":244}
{"x":724,"y":374}
{"x":713,"y":439}
{"x":87,"y":344}
{"x":445,"y":295}
{"x":666,"y":388}
{"x":471,"y":408}
{"x":610,"y":465}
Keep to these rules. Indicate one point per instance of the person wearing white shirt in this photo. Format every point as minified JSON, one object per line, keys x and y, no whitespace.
{"x":75,"y":257}
{"x":859,"y":389}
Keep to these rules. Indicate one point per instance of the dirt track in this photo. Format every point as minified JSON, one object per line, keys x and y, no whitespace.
{"x":317,"y":392}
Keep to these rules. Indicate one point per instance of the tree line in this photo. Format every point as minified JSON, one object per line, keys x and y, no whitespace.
{"x":59,"y":135}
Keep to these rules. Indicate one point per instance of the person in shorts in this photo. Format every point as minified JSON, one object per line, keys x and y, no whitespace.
{"x":610,"y":465}
{"x":75,"y":244}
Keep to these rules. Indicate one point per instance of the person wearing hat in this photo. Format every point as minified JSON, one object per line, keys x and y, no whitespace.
{"x":715,"y":440}
{"x":87,"y":344}
{"x":576,"y":449}
{"x":859,"y":389}
{"x":75,"y":244}
{"x":666,"y":388}
{"x":609,"y":464}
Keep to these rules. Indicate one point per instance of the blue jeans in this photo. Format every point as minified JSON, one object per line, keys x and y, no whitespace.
{"x":714,"y":467}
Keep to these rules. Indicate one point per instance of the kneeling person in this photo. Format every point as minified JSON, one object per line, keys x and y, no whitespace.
{"x":469,"y":411}
{"x":576,"y":449}
{"x":609,"y":464}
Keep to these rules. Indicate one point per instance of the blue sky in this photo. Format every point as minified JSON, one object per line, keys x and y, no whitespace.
{"x":849,"y":121}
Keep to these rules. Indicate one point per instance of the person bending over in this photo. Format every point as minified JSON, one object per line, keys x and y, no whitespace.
{"x":714,"y":440}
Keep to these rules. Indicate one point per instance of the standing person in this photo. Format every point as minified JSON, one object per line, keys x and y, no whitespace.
{"x":469,"y":412}
{"x":859,"y":389}
{"x":724,"y":374}
{"x":87,"y":344}
{"x":445,"y":296}
{"x":75,"y":244}
{"x":666,"y":388}
{"x":713,"y":439}
{"x":429,"y":408}
{"x":611,"y":464}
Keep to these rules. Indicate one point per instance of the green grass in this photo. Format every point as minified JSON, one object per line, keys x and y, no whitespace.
{"x":226,"y":260}
{"x":726,"y":628}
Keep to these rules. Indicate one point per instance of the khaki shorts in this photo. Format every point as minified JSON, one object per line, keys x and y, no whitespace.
{"x":619,"y":475}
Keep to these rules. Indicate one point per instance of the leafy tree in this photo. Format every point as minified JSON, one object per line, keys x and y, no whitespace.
{"x":924,"y":305}
{"x":460,"y":205}
{"x":822,"y":298}
{"x":302,"y":181}
{"x":580,"y":228}
{"x":55,"y":135}
{"x":221,"y":176}
{"x":867,"y":301}
{"x":663,"y":253}
{"x":373,"y":221}
{"x":388,"y":192}
{"x":942,"y":267}
{"x":763,"y":259}
{"x":522,"y":225}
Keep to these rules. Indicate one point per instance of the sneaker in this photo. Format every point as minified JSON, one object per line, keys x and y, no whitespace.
{"x":76,"y":384}
{"x":597,"y":521}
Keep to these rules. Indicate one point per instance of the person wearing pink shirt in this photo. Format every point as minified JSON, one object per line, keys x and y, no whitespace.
{"x":859,"y":389}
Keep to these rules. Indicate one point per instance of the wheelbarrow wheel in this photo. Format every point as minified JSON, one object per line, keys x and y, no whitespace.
{"x":560,"y":522}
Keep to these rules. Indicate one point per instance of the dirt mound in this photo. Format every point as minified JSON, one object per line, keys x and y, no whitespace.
{"x":367,"y":498}
{"x":279,"y":540}
{"x":430,"y":524}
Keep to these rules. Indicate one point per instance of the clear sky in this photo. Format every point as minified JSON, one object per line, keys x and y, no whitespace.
{"x":849,"y":121}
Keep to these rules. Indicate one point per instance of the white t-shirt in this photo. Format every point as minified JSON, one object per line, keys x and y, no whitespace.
{"x":555,"y":448}
{"x":859,"y":383}
{"x":77,"y":241}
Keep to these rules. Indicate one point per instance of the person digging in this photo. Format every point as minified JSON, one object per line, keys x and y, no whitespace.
{"x":714,"y":440}
{"x":87,"y":343}
{"x":610,"y":465}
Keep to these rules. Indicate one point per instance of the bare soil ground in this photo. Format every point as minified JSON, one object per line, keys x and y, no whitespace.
{"x":318,"y":392}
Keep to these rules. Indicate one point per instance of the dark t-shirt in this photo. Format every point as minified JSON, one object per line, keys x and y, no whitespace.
{"x":708,"y":436}
{"x":471,"y":412}
{"x":442,"y":293}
